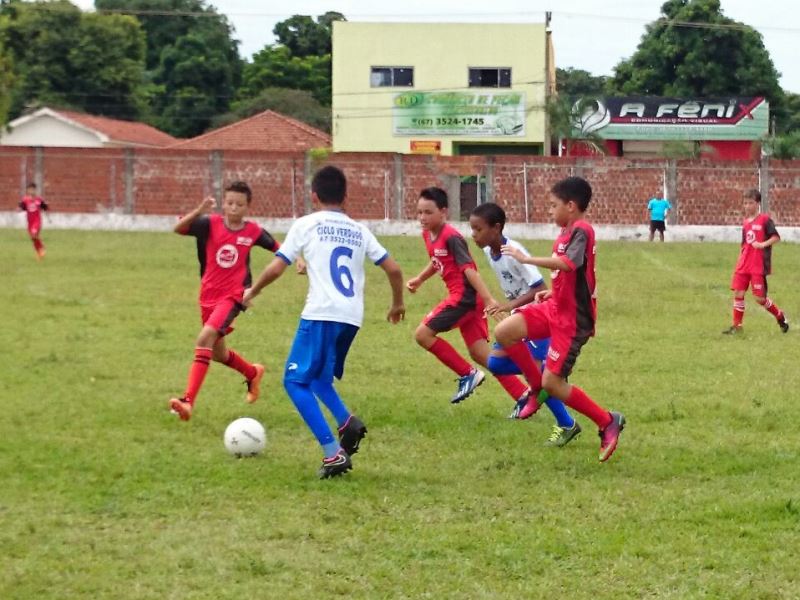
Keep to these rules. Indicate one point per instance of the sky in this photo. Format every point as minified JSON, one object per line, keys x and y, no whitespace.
{"x":587,"y":34}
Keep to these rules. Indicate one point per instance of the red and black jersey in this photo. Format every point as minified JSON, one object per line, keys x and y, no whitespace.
{"x":224,"y":256}
{"x":756,"y":261}
{"x":574,"y":305}
{"x":33,"y":205}
{"x":450,"y":256}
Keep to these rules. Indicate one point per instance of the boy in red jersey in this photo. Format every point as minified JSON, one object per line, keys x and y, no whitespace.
{"x":464,"y":306}
{"x":755,"y":262}
{"x":223,"y":249}
{"x":33,"y":206}
{"x":566,"y":313}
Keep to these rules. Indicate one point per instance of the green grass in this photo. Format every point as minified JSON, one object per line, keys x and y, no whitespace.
{"x":103,"y":494}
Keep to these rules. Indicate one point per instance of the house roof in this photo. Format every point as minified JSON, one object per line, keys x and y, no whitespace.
{"x":269,"y":131}
{"x":130,"y":132}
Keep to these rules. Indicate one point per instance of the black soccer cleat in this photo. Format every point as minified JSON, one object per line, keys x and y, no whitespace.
{"x":351,"y":434}
{"x":336,"y":465}
{"x":783,"y":324}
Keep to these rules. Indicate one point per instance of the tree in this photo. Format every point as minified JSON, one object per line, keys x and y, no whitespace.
{"x":6,"y":82}
{"x":192,"y":61}
{"x":304,"y":36}
{"x":64,"y":57}
{"x":577,"y":83}
{"x":715,"y":56}
{"x":298,"y":104}
{"x":274,"y":66}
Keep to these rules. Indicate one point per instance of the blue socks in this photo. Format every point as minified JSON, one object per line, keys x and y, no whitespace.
{"x":304,"y":398}
{"x":563,"y":418}
{"x":330,"y":398}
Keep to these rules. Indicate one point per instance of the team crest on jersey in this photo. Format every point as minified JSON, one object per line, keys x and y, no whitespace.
{"x":440,"y":251}
{"x":227,"y":256}
{"x":244,"y":241}
{"x":756,"y":227}
{"x":562,"y":247}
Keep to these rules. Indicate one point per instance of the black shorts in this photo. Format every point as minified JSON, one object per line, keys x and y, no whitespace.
{"x":657,"y":226}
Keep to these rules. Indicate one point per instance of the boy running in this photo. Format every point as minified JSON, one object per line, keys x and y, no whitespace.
{"x":755,"y":262}
{"x":520,"y":284}
{"x":33,"y":206}
{"x":335,"y":247}
{"x":223,"y":249}
{"x":464,"y":306}
{"x":566,"y":314}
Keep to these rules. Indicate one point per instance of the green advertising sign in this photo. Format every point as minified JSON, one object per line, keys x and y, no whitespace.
{"x":486,"y":114}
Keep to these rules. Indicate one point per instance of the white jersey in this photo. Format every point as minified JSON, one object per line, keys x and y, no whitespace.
{"x":334,"y":247}
{"x":515,"y":278}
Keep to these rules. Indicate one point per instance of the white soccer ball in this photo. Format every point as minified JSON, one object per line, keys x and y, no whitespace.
{"x":245,"y":437}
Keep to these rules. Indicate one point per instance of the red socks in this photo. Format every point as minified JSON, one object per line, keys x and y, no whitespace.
{"x":448,"y":356}
{"x":773,"y":309}
{"x":579,"y":401}
{"x":521,"y":356}
{"x":197,"y":373}
{"x":738,"y":312}
{"x":239,"y":364}
{"x":513,"y":385}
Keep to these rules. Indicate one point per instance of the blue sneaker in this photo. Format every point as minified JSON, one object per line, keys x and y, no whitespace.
{"x":467,"y":385}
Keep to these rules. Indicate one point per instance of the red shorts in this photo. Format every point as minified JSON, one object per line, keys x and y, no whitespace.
{"x":470,"y":320}
{"x":565,"y":346}
{"x":758,"y":283}
{"x":34,"y":229}
{"x":220,"y":316}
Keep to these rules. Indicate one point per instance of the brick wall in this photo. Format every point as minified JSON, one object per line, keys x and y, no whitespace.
{"x":170,"y":182}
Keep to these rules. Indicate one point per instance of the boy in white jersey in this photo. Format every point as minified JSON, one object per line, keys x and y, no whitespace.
{"x":520,"y":283}
{"x":334,"y":247}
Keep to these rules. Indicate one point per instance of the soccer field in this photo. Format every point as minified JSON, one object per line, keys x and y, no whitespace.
{"x":104,"y":494}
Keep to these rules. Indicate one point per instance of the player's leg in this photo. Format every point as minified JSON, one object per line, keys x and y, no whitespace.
{"x":203,"y":353}
{"x":661,"y":228}
{"x":564,"y":350}
{"x":652,"y":229}
{"x":305,"y":363}
{"x":475,"y":332}
{"x":444,"y":318}
{"x":739,"y":284}
{"x":222,"y":319}
{"x":528,"y":322}
{"x":762,"y":297}
{"x":351,"y":429}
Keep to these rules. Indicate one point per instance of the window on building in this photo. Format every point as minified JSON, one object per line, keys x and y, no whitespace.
{"x":490,"y":77}
{"x":392,"y":77}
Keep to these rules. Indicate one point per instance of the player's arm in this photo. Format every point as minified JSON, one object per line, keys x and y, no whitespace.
{"x":553,"y":263}
{"x":414,"y":283}
{"x":491,"y":305}
{"x":185,"y":222}
{"x":526,"y":298}
{"x":44,"y":206}
{"x":771,"y":241}
{"x":270,"y":273}
{"x":397,"y":311}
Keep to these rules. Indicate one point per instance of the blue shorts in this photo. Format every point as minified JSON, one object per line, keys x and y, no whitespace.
{"x":319,"y":351}
{"x":538,"y":348}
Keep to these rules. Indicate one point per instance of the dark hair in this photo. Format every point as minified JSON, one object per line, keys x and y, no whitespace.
{"x":575,"y":189}
{"x":753,"y":194}
{"x":242,"y":188}
{"x":435,"y":194}
{"x":30,"y":185}
{"x":491,"y":213}
{"x":330,"y":185}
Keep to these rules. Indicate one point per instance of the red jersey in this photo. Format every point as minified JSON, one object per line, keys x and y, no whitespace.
{"x":573,"y":304}
{"x":755,"y":261}
{"x":224,"y":256}
{"x":450,"y":256}
{"x":33,"y":207}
